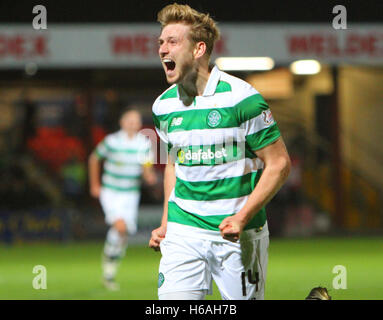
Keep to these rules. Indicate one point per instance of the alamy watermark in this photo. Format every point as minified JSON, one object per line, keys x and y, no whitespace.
{"x":340,"y":20}
{"x":40,"y":20}
{"x":195,"y":148}
{"x":340,"y":280}
{"x":40,"y":280}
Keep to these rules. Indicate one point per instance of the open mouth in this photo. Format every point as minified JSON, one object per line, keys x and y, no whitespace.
{"x":170,"y":64}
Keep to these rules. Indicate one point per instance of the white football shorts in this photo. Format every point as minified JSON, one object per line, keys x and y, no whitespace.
{"x":190,"y":264}
{"x":120,"y":205}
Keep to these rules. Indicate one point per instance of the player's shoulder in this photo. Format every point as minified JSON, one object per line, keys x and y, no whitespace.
{"x":239,"y":88}
{"x":164,"y":99}
{"x":112,"y":138}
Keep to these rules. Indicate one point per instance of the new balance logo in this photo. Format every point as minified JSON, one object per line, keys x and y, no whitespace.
{"x":176,"y":121}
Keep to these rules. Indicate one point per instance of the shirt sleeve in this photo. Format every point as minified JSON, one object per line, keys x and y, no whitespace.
{"x":101,"y":150}
{"x":161,"y":127}
{"x":256,"y":119}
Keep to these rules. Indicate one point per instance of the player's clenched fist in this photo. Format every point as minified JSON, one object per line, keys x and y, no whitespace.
{"x":157,"y":236}
{"x":231,"y":228}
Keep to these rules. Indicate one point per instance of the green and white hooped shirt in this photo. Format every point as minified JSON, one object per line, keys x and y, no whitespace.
{"x":212,"y":142}
{"x":124,"y":159}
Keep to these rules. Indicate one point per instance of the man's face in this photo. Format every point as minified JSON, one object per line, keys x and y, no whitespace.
{"x":176,"y":51}
{"x":131,"y":122}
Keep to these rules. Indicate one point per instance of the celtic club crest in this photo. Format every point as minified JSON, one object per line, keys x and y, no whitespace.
{"x":214,"y":118}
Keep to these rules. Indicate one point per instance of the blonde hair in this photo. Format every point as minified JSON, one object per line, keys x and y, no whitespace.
{"x":203,"y":27}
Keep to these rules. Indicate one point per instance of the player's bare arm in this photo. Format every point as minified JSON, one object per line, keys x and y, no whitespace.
{"x":149,"y":174}
{"x":94,"y":175}
{"x":276,"y":170}
{"x":169,"y":183}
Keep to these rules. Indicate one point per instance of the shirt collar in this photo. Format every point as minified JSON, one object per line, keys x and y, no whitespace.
{"x":212,"y":82}
{"x":124,"y":135}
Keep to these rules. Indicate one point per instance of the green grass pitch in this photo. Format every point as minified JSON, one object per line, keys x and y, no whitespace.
{"x":295,"y":266}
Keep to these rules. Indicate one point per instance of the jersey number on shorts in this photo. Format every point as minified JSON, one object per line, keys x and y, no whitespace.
{"x":251,"y":280}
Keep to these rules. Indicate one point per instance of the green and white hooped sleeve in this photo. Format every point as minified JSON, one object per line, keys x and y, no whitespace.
{"x":101,"y":150}
{"x":257,"y":121}
{"x":162,"y":130}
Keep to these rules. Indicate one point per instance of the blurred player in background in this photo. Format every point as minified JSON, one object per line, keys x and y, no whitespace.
{"x":214,"y":221}
{"x":128,"y":157}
